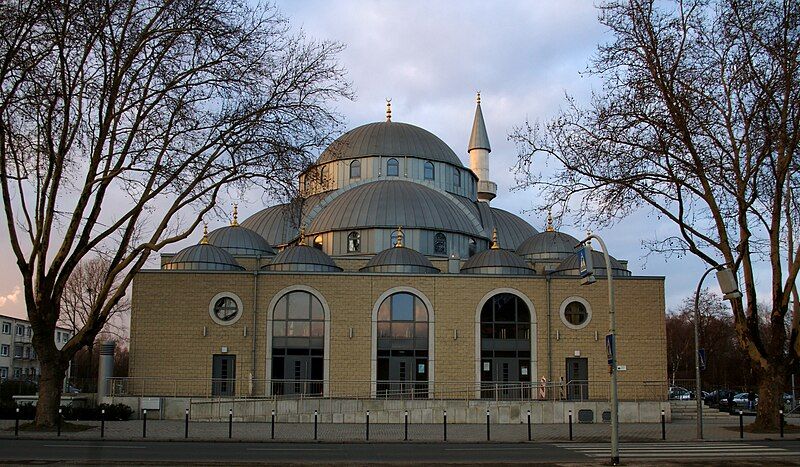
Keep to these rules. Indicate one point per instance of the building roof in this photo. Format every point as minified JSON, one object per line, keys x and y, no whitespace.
{"x":278,"y":224}
{"x":302,"y":258}
{"x":512,"y":230}
{"x":548,"y":245}
{"x":389,"y":139}
{"x":202,"y":257}
{"x":496,"y":261}
{"x":391,"y":203}
{"x":479,"y":139}
{"x":571,"y":266}
{"x":400,"y":259}
{"x":238,"y":240}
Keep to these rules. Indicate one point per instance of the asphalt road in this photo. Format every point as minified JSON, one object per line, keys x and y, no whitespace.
{"x":20,"y":450}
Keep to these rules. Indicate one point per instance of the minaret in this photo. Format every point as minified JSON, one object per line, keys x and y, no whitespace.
{"x":479,"y":150}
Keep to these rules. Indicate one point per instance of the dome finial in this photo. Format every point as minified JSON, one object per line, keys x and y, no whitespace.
{"x":235,"y":221}
{"x":550,"y":227}
{"x":388,"y":109}
{"x":302,"y":235}
{"x":399,"y":242}
{"x":495,"y":243}
{"x":478,"y":99}
{"x":204,"y":240}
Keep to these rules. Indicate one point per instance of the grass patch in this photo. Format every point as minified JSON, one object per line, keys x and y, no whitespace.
{"x":66,"y":427}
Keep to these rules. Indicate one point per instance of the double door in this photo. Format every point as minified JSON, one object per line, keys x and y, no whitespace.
{"x":302,"y":374}
{"x":223,"y":374}
{"x":577,"y":378}
{"x":504,"y":378}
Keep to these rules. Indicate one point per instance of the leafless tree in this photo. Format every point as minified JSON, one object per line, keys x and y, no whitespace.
{"x":698,"y":121}
{"x":121,"y":124}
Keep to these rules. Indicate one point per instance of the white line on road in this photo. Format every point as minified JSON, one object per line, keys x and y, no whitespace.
{"x":305,"y":449}
{"x":520,"y":448}
{"x":92,"y":446}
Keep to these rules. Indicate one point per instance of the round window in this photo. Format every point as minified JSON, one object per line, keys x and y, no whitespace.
{"x":575,"y":312}
{"x":225,"y":308}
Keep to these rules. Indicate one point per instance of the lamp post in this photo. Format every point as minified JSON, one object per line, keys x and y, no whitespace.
{"x":587,"y":274}
{"x":727,"y":284}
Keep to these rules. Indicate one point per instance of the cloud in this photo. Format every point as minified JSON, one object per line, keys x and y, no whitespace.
{"x":12,"y":297}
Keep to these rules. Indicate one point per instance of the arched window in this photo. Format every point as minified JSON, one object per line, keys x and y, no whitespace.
{"x":318,"y":242}
{"x":439,"y":244}
{"x":505,"y":347}
{"x":402,"y":366}
{"x":298,"y":343}
{"x":353,"y":242}
{"x":392,"y":168}
{"x":473,"y":247}
{"x":355,"y":169}
{"x":429,"y":173}
{"x":456,"y":177}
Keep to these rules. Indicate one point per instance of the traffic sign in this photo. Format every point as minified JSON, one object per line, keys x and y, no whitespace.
{"x":610,"y":348}
{"x":702,"y":354}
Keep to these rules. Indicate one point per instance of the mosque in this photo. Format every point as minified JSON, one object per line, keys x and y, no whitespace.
{"x":392,"y":276}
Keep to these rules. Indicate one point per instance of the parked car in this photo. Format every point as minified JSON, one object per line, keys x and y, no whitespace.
{"x":717,"y":398}
{"x":679,"y":393}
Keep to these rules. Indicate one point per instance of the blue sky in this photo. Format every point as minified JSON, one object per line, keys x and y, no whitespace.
{"x":430,"y":58}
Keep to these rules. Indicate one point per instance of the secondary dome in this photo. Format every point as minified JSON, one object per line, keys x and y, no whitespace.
{"x":203,"y":257}
{"x":512,"y":230}
{"x":278,"y":225}
{"x":548,"y":245}
{"x":389,"y":139}
{"x":302,"y":258}
{"x":495,"y":260}
{"x":389,"y":203}
{"x":238,"y":240}
{"x":571,"y":266}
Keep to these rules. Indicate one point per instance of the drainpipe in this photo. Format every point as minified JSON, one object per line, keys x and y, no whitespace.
{"x":548,"y":278}
{"x":255,"y":321}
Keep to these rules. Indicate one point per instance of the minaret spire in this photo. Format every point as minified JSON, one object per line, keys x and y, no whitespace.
{"x":479,"y":149}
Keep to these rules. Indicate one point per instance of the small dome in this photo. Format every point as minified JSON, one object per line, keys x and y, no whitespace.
{"x":548,"y":245}
{"x":238,"y":240}
{"x":302,"y":258}
{"x":389,"y":139}
{"x":512,"y":230}
{"x":496,"y":261}
{"x":570,"y":266}
{"x":203,"y":257}
{"x":400,"y":260}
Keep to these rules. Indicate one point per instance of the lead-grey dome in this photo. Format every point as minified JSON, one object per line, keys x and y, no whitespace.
{"x":571,"y":266}
{"x":548,"y":245}
{"x":203,"y":257}
{"x":400,"y":260}
{"x":278,"y":225}
{"x":302,"y":258}
{"x":496,"y":261}
{"x":512,"y":230}
{"x":389,"y":139}
{"x":392,"y":203}
{"x":238,"y":240}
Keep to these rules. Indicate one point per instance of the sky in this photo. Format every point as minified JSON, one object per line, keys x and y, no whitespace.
{"x":430,"y":58}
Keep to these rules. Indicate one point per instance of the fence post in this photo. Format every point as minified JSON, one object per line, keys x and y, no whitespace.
{"x":230,"y":423}
{"x":741,"y":424}
{"x":367,"y":425}
{"x":58,"y":422}
{"x":570,"y":425}
{"x":663,"y":426}
{"x":16,"y":423}
{"x":781,"y":414}
{"x":529,"y":425}
{"x":488,"y":432}
{"x":144,"y":423}
{"x":315,"y":425}
{"x":445,"y":425}
{"x":272,"y":434}
{"x":405,"y":436}
{"x":186,"y":424}
{"x":102,"y":423}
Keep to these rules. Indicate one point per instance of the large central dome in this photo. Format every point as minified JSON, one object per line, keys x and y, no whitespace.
{"x":389,"y":139}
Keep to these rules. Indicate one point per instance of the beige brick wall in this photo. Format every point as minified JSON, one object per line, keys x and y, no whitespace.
{"x":170,"y":312}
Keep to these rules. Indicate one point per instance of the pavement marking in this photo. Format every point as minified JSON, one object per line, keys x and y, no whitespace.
{"x":92,"y":446}
{"x":520,"y":448}
{"x":290,"y":449}
{"x":684,"y":450}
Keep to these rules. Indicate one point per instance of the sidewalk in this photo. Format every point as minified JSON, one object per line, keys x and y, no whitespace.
{"x":303,"y":432}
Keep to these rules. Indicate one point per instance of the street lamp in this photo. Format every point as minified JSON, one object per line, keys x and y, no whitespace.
{"x":587,"y":277}
{"x":727,"y":283}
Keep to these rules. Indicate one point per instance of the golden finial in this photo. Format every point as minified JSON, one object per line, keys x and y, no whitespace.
{"x":495,"y":243}
{"x":550,"y":227}
{"x":204,"y":240}
{"x":479,"y":98}
{"x":399,"y":242}
{"x":302,"y":235}
{"x":235,"y":221}
{"x":388,"y":110}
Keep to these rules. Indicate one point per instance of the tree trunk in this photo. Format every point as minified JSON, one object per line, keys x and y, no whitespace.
{"x":50,"y":386}
{"x":770,"y":398}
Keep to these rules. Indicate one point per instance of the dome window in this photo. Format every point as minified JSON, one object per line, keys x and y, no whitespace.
{"x":318,"y":242}
{"x":456,"y":177}
{"x":575,"y":312}
{"x":392,"y":168}
{"x":323,"y":176}
{"x":439,"y":244}
{"x":429,"y":172}
{"x":353,"y":242}
{"x":225,"y":308}
{"x":355,"y":169}
{"x":473,"y":247}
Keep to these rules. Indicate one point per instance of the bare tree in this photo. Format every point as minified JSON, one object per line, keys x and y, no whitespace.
{"x":122,"y":122}
{"x":697,"y":120}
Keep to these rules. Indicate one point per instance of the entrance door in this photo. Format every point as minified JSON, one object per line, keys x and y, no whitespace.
{"x":401,"y":375}
{"x":298,"y":369}
{"x":223,"y":374}
{"x":577,"y":379}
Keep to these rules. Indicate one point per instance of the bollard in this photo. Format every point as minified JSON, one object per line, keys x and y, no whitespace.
{"x":102,"y":423}
{"x":781,"y":414}
{"x":230,"y":423}
{"x":445,"y":425}
{"x":272,"y":434}
{"x":58,"y":422}
{"x":488,"y":432}
{"x":315,"y":425}
{"x":570,"y":425}
{"x":529,"y":425}
{"x":367,"y":425}
{"x":663,"y":426}
{"x":144,"y":423}
{"x":186,"y":424}
{"x":16,"y":424}
{"x":741,"y":424}
{"x":405,"y":436}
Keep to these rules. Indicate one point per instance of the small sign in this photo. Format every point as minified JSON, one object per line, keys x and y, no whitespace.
{"x":487,"y":366}
{"x":610,"y":348}
{"x":585,"y":261}
{"x":524,"y":371}
{"x":622,"y":367}
{"x":421,"y":368}
{"x":701,"y":353}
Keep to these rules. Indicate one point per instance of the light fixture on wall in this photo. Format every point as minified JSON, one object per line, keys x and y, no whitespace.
{"x":244,"y":331}
{"x":455,"y":334}
{"x":350,"y":333}
{"x":558,"y":335}
{"x":205,"y":331}
{"x":595,"y":335}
